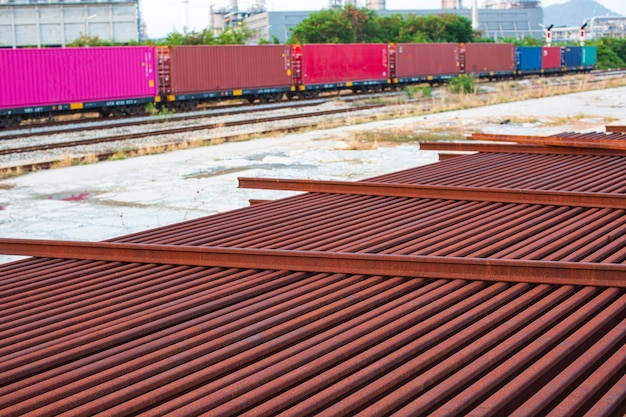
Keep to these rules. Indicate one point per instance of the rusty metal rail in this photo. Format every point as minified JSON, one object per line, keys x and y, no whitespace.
{"x":498,"y":195}
{"x":564,"y":273}
{"x":514,"y":148}
{"x":335,"y":303}
{"x":614,"y":141}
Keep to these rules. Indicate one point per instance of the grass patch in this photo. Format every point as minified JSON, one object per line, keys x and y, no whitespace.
{"x":373,"y":139}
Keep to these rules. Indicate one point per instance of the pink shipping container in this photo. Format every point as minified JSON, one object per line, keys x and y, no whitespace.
{"x":205,"y":69}
{"x":424,"y":60}
{"x":335,"y":64}
{"x":488,"y":59}
{"x":62,"y":76}
{"x":551,"y":57}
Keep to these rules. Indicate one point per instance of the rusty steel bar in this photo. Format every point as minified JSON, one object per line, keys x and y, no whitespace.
{"x":616,"y":129}
{"x":444,"y":156}
{"x":514,"y":148}
{"x":564,"y":273}
{"x":496,"y":195}
{"x":598,"y":141}
{"x":256,"y":202}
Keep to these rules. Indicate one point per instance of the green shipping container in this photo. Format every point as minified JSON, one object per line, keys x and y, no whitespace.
{"x":589,"y":57}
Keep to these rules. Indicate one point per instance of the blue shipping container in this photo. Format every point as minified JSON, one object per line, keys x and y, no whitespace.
{"x":528,"y":59}
{"x":572,"y":57}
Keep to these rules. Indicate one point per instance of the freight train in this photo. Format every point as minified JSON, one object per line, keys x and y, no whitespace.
{"x":38,"y":83}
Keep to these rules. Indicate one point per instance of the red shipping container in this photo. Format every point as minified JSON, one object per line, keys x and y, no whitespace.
{"x":334,"y":63}
{"x":484,"y":59}
{"x":199,"y":69}
{"x":427,"y":59}
{"x":551,"y":57}
{"x":56,"y":76}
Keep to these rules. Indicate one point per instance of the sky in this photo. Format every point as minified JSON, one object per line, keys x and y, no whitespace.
{"x":165,"y":16}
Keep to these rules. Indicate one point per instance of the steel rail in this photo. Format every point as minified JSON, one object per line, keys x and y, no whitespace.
{"x":185,"y":129}
{"x":498,"y":195}
{"x":616,"y":129}
{"x":545,"y":272}
{"x":613,"y":141}
{"x":514,"y":148}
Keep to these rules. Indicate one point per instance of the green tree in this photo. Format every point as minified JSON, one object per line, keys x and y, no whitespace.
{"x":229,"y":36}
{"x":364,"y":23}
{"x":92,"y":41}
{"x":326,"y":26}
{"x":350,"y":25}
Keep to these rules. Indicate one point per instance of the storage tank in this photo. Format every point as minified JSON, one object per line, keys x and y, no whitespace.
{"x":451,"y":4}
{"x":377,"y":4}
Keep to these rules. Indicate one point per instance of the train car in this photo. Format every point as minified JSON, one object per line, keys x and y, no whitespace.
{"x":425,"y":62}
{"x":324,"y":67}
{"x":571,"y":58}
{"x":192,"y":74}
{"x":528,"y":60}
{"x":589,"y":57}
{"x":551,"y":59}
{"x":44,"y":82}
{"x":488,"y":60}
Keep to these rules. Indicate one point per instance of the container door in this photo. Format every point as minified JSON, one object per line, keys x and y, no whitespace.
{"x":296,"y":63}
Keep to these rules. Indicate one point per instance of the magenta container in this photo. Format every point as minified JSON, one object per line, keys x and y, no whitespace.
{"x":334,"y":63}
{"x":551,"y":57}
{"x":58,"y":76}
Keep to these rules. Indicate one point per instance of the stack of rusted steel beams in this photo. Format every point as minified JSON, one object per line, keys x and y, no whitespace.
{"x":488,"y":284}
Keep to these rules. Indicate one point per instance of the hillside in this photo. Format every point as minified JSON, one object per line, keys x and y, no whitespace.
{"x":574,"y":12}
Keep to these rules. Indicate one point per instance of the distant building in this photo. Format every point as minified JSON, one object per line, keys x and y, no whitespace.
{"x":493,"y":23}
{"x":593,"y":28}
{"x":60,"y":22}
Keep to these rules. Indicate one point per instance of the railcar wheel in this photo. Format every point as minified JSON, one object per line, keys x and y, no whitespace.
{"x":104,"y":112}
{"x":118,"y":111}
{"x":135,"y":110}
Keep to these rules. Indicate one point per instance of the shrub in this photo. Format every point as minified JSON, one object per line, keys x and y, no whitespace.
{"x":461,"y":84}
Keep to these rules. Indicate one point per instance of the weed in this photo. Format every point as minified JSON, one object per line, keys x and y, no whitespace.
{"x":461,"y":84}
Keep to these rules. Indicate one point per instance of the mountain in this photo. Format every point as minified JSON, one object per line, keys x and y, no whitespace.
{"x":574,"y":12}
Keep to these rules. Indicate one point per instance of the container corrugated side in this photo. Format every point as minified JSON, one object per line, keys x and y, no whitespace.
{"x":528,"y":58}
{"x":54,"y":76}
{"x":334,"y":63}
{"x":200,"y":69}
{"x":486,"y":58}
{"x":425,"y":59}
{"x":572,"y":57}
{"x":589,"y":56}
{"x":551,"y":57}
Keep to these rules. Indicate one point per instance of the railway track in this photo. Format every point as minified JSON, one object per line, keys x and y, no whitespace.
{"x":258,"y":125}
{"x":15,"y":155}
{"x":94,"y":123}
